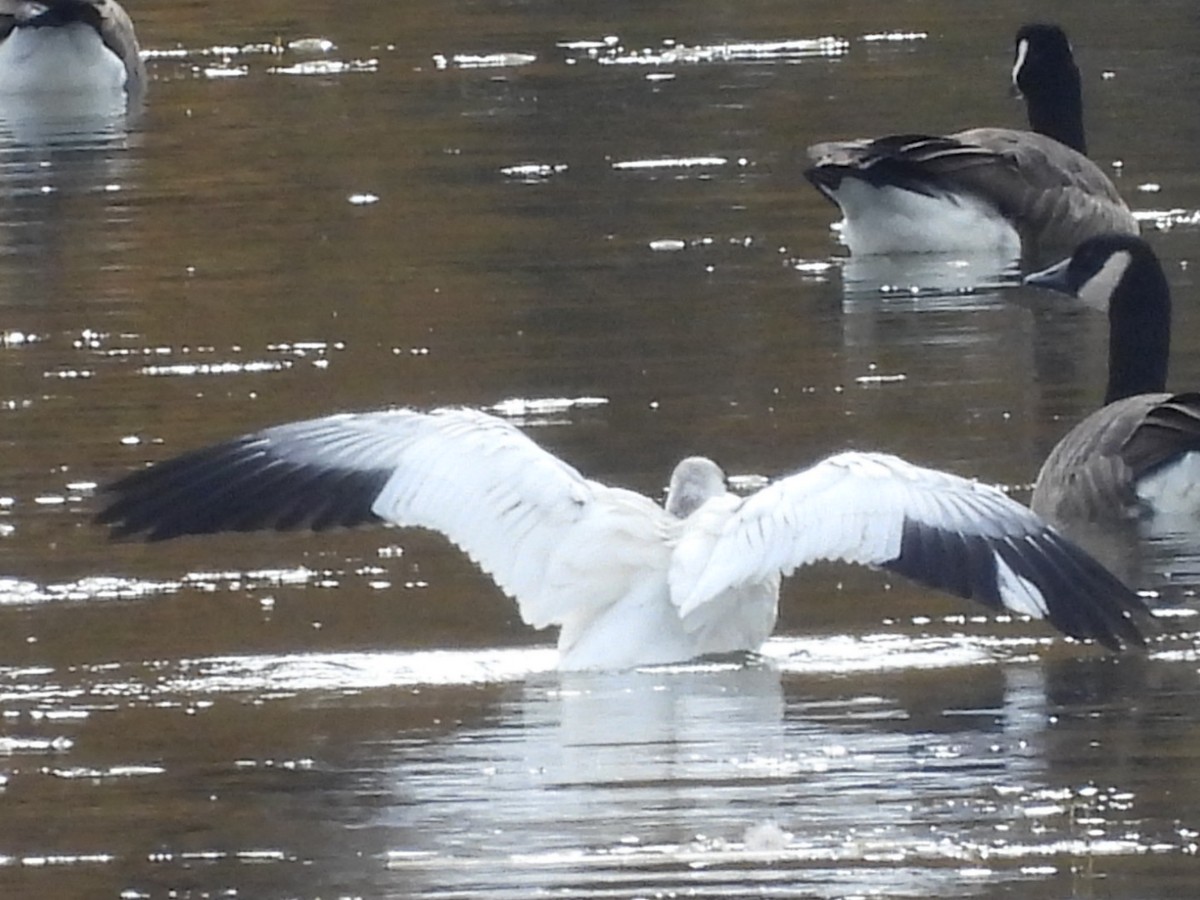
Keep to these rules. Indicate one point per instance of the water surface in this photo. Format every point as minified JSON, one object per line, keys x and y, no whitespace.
{"x":477,"y":204}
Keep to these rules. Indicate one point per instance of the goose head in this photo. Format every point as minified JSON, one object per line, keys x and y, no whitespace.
{"x":1045,"y":74}
{"x":1121,"y":274}
{"x":695,"y":481}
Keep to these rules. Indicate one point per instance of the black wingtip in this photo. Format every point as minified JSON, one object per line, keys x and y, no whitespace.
{"x":1082,"y":599}
{"x":238,"y":486}
{"x":1118,"y":617}
{"x":826,"y":179}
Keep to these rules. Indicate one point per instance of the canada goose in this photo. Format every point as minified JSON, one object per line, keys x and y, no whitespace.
{"x":1139,"y":454}
{"x":628,"y":582}
{"x":1031,"y":193}
{"x":68,"y":45}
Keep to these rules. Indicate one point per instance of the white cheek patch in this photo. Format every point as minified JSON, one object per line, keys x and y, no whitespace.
{"x":1022,"y":52}
{"x":1097,"y":291}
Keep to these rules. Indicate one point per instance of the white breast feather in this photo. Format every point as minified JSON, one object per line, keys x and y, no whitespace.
{"x":69,"y":58}
{"x":1173,"y":491}
{"x":620,"y":547}
{"x":889,"y":219}
{"x":560,"y":545}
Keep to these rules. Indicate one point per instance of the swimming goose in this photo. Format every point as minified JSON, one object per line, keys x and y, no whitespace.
{"x":1032,"y":193}
{"x":51,"y":46}
{"x":628,"y":582}
{"x":1139,"y":454}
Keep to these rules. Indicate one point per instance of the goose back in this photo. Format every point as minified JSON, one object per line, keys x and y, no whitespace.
{"x":1033,"y":187}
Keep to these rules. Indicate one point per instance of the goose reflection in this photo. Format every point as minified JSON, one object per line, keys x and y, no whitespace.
{"x":654,"y":777}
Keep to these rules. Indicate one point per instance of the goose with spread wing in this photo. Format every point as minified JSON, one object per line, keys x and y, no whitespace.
{"x":1138,"y":456}
{"x":628,"y":582}
{"x":56,"y":46}
{"x":1033,"y":193}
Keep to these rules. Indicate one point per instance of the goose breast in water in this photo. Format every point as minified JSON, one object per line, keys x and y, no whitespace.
{"x":628,"y":582}
{"x":68,"y":46}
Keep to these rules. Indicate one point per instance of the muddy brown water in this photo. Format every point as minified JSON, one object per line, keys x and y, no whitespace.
{"x":469,"y":203}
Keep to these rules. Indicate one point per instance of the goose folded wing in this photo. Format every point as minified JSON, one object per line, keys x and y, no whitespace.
{"x":1094,"y":469}
{"x":116,"y":30}
{"x":914,"y":162}
{"x":1043,"y":160}
{"x":940,"y":530}
{"x":1045,"y":186}
{"x":1171,"y":426}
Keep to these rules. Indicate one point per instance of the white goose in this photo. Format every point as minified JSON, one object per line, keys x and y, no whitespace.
{"x":628,"y":582}
{"x":64,"y":46}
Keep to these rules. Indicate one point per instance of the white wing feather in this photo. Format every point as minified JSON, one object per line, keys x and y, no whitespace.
{"x":562,"y":546}
{"x":628,"y":582}
{"x":851,"y":507}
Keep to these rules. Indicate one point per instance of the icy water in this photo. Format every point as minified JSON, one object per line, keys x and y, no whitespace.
{"x":589,"y":218}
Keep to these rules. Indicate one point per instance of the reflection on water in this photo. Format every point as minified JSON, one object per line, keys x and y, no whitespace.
{"x":949,"y":277}
{"x":1160,"y":557}
{"x":826,"y":780}
{"x":69,"y":119}
{"x":463,"y":203}
{"x":611,"y":51}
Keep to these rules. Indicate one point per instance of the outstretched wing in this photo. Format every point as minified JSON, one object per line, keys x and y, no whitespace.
{"x":938,"y":529}
{"x":537,"y":526}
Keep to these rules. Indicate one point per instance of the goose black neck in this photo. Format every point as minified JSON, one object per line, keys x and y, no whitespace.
{"x":1139,"y":338}
{"x":1055,"y":109}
